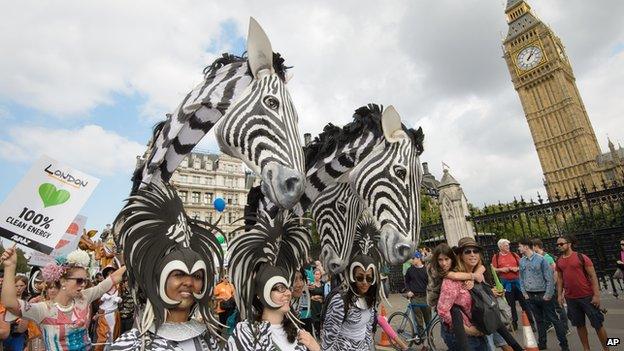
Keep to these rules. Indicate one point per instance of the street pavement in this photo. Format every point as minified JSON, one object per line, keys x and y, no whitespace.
{"x":614,"y":323}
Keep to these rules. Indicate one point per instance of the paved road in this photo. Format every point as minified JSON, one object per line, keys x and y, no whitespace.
{"x":614,"y":322}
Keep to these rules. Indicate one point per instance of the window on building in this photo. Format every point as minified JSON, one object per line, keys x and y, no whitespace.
{"x":196,"y":163}
{"x":210,"y":197}
{"x":183,"y":195}
{"x":195,"y":197}
{"x":184,"y":162}
{"x":183,"y":178}
{"x":230,"y":217}
{"x":209,"y":180}
{"x":195,"y":215}
{"x":228,"y":182}
{"x":195,"y":179}
{"x":235,"y":200}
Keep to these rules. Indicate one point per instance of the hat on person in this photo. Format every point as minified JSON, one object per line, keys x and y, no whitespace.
{"x":417,"y":254}
{"x":467,"y":242}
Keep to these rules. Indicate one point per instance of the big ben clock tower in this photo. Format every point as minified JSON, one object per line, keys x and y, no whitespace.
{"x":542,"y":75}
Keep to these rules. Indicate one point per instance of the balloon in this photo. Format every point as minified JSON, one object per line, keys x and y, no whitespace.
{"x":219,"y":204}
{"x":220,"y":238}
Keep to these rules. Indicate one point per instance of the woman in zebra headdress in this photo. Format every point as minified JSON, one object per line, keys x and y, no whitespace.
{"x":350,"y":313}
{"x":171,"y":262}
{"x":263,"y":261}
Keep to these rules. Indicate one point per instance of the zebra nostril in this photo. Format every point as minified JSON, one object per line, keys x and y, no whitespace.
{"x":291,"y":184}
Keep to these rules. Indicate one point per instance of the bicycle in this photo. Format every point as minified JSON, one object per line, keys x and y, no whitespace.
{"x":403,"y":323}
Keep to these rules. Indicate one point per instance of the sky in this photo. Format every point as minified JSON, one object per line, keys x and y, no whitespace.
{"x":84,"y":82}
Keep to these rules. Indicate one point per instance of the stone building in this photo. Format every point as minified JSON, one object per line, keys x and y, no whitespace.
{"x":542,"y":74}
{"x":203,"y":177}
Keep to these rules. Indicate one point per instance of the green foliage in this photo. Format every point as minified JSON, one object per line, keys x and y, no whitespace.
{"x":22,"y":262}
{"x":429,"y":210}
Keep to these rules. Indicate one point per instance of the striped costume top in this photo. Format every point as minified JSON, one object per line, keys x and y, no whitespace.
{"x":351,"y":332}
{"x":261,"y":337}
{"x":189,"y":336}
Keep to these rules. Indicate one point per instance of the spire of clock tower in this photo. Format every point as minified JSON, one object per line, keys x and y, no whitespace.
{"x":543,"y":77}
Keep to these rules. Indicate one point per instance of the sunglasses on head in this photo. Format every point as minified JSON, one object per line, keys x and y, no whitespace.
{"x":561,"y":244}
{"x":471,"y":251}
{"x":362,"y":279}
{"x":280,"y":288}
{"x":79,"y":281}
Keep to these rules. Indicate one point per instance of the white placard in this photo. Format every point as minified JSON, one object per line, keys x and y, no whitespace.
{"x":69,"y":242}
{"x":44,"y":203}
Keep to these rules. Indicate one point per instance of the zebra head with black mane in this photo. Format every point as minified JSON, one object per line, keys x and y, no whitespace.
{"x":336,"y":211}
{"x":258,"y":122}
{"x":261,"y":127}
{"x":388,"y":181}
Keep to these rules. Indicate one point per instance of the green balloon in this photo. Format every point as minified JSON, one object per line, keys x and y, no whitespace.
{"x":220,"y":239}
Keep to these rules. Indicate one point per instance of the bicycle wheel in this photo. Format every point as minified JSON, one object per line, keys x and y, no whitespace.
{"x":403,"y":326}
{"x":434,"y":339}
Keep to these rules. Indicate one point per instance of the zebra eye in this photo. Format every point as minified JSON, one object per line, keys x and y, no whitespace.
{"x":271,"y":102}
{"x":341,"y":206}
{"x":400,"y":172}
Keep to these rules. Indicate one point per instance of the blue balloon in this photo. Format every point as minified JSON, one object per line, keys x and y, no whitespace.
{"x":219,"y":204}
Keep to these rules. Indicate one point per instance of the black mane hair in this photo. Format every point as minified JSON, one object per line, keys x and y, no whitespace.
{"x":365,"y":119}
{"x":278,"y":64}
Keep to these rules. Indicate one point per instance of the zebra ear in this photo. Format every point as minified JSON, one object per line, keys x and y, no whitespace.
{"x":391,"y":124}
{"x":259,"y":49}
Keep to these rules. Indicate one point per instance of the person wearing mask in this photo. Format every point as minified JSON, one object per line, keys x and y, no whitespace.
{"x":507,"y":265}
{"x":576,"y":274}
{"x":538,"y":288}
{"x":350,"y":314}
{"x":262,"y":272}
{"x":416,"y":285}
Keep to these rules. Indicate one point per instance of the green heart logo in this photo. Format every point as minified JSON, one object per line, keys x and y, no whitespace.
{"x":51,"y":196}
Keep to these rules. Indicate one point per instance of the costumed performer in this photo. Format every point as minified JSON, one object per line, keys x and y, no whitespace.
{"x":263,"y":261}
{"x":65,"y":319}
{"x":350,"y":312}
{"x":171,"y":262}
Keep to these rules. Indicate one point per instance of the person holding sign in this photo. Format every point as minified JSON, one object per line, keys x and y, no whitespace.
{"x":65,"y":319}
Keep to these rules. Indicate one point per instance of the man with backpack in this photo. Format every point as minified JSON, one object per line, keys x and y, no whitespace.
{"x":575,"y":273}
{"x":538,"y":248}
{"x":507,"y":265}
{"x":538,"y":288}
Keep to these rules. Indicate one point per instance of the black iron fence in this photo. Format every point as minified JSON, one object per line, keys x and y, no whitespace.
{"x":595,"y":216}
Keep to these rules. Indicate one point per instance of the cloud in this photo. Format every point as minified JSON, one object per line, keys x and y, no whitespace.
{"x":90,"y":148}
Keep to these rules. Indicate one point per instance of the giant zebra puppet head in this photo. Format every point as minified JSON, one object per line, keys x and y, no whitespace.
{"x":258,"y":122}
{"x":267,"y":253}
{"x":158,"y":238}
{"x":261,"y":127}
{"x":388,"y":182}
{"x":336,"y":211}
{"x":378,"y":156}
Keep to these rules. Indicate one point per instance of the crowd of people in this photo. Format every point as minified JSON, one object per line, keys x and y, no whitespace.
{"x":61,"y":307}
{"x":553,"y":293}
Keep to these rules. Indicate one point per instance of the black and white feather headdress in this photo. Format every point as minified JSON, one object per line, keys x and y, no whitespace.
{"x":158,"y":237}
{"x":267,"y":253}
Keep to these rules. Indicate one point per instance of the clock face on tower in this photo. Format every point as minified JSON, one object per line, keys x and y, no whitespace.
{"x":529,"y":57}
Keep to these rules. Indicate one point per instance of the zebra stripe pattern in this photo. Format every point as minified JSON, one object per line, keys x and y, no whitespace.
{"x":195,"y":116}
{"x":283,"y":241}
{"x":336,"y":211}
{"x":261,"y":127}
{"x":388,"y":181}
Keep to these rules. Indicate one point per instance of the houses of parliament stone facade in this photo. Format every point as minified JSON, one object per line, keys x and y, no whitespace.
{"x":562,"y":132}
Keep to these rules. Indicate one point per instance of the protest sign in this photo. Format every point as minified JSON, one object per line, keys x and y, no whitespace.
{"x":68,"y":243}
{"x":44,"y":203}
